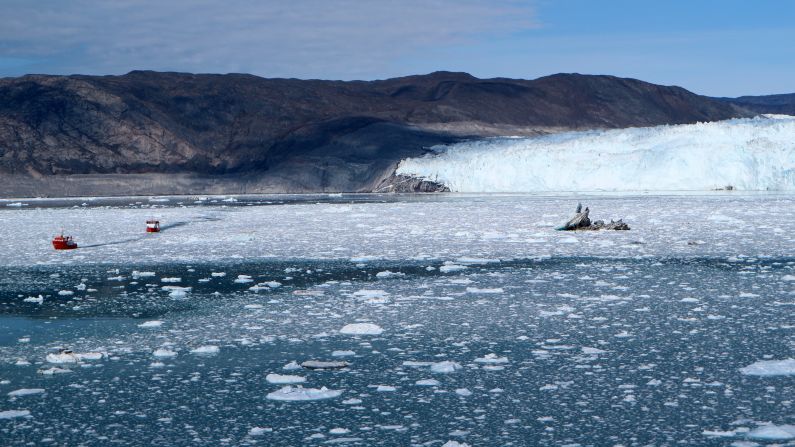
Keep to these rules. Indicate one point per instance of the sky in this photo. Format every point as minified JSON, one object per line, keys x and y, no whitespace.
{"x":717,"y":48}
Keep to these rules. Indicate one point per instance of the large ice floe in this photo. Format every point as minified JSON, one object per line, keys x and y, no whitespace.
{"x":746,"y":154}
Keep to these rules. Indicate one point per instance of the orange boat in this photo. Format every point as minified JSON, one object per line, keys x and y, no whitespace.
{"x":152,"y":226}
{"x":62,"y":242}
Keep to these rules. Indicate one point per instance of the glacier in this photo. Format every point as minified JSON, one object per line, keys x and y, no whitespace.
{"x":753,"y":154}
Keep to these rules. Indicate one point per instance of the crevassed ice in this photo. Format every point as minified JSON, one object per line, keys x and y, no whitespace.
{"x":747,"y":154}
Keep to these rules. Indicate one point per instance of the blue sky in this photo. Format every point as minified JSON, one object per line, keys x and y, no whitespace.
{"x":721,"y":48}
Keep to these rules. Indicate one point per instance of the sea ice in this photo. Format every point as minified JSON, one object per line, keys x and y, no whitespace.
{"x":25,"y":392}
{"x":293,"y":394}
{"x":769,"y":368}
{"x":281,"y":379}
{"x":10,"y":414}
{"x":445,"y":367}
{"x":206,"y":350}
{"x":361,"y":329}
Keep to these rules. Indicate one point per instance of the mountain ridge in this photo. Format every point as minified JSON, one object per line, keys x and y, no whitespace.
{"x":290,"y":135}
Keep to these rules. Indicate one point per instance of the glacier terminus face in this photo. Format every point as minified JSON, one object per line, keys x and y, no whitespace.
{"x":755,"y":154}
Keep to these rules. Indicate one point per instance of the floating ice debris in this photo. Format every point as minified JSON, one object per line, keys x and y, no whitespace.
{"x":259,"y":431}
{"x":151,"y":324}
{"x":34,"y":299}
{"x":16,"y":204}
{"x":22,"y":362}
{"x":205,"y":350}
{"x":293,"y":394}
{"x":445,"y":367}
{"x":477,"y":290}
{"x":67,"y":356}
{"x":11,"y":414}
{"x":281,"y":379}
{"x":136,"y":274}
{"x":218,"y":274}
{"x":164,"y":353}
{"x":389,"y":274}
{"x":54,"y":370}
{"x":770,"y":368}
{"x":463,"y":392}
{"x":491,"y":358}
{"x":773,"y":433}
{"x":592,"y":351}
{"x":291,"y":366}
{"x":26,"y":392}
{"x":253,"y":306}
{"x":342,"y":353}
{"x":361,"y":329}
{"x":65,"y":292}
{"x":339,"y":431}
{"x":177,"y":291}
{"x":454,"y":444}
{"x":689,"y":300}
{"x":170,"y":279}
{"x":352,"y":401}
{"x":450,"y":267}
{"x":242,"y":279}
{"x":427,"y":382}
{"x":385,"y":388}
{"x":315,"y":364}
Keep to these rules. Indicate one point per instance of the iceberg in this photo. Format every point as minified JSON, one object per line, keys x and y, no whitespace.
{"x":746,"y":154}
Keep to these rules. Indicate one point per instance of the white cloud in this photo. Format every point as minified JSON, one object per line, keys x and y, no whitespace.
{"x":301,"y":38}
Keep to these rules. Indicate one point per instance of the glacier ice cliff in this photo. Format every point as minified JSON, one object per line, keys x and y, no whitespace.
{"x":746,"y":154}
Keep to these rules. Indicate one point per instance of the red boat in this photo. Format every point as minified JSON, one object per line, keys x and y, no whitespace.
{"x":152,"y":226}
{"x":62,"y":242}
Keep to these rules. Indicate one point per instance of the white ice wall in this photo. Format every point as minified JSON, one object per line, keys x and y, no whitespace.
{"x":749,"y":154}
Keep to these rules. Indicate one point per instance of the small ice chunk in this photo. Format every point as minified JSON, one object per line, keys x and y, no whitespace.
{"x":65,"y":292}
{"x":485,"y":291}
{"x":164,"y":353}
{"x":339,"y":431}
{"x":206,"y":350}
{"x":389,"y":274}
{"x":592,"y":351}
{"x":11,"y":414}
{"x":170,"y":279}
{"x":361,"y":329}
{"x":450,"y":267}
{"x":34,"y":299}
{"x":428,"y":382}
{"x":315,"y":364}
{"x":491,"y":358}
{"x":218,"y":274}
{"x":385,"y":388}
{"x":454,"y":444}
{"x":151,"y":324}
{"x":259,"y":431}
{"x":136,"y":274}
{"x":242,"y":279}
{"x":463,"y":392}
{"x":291,"y":366}
{"x":294,"y":394}
{"x":342,"y":353}
{"x":54,"y":370}
{"x":26,"y":392}
{"x":445,"y":367}
{"x":770,"y":368}
{"x":282,"y":379}
{"x":773,"y":433}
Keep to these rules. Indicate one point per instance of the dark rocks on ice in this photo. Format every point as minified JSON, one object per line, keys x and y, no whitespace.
{"x":581,"y":221}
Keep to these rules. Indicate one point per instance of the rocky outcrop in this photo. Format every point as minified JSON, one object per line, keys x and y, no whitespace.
{"x":400,"y":183}
{"x":247,"y":133}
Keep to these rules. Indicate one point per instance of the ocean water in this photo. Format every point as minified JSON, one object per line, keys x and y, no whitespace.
{"x":486,"y":327}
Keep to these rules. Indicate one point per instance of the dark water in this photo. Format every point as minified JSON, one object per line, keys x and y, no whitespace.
{"x":599,"y":352}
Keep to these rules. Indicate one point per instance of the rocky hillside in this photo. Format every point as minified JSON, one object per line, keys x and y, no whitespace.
{"x":157,"y":133}
{"x":778,"y":104}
